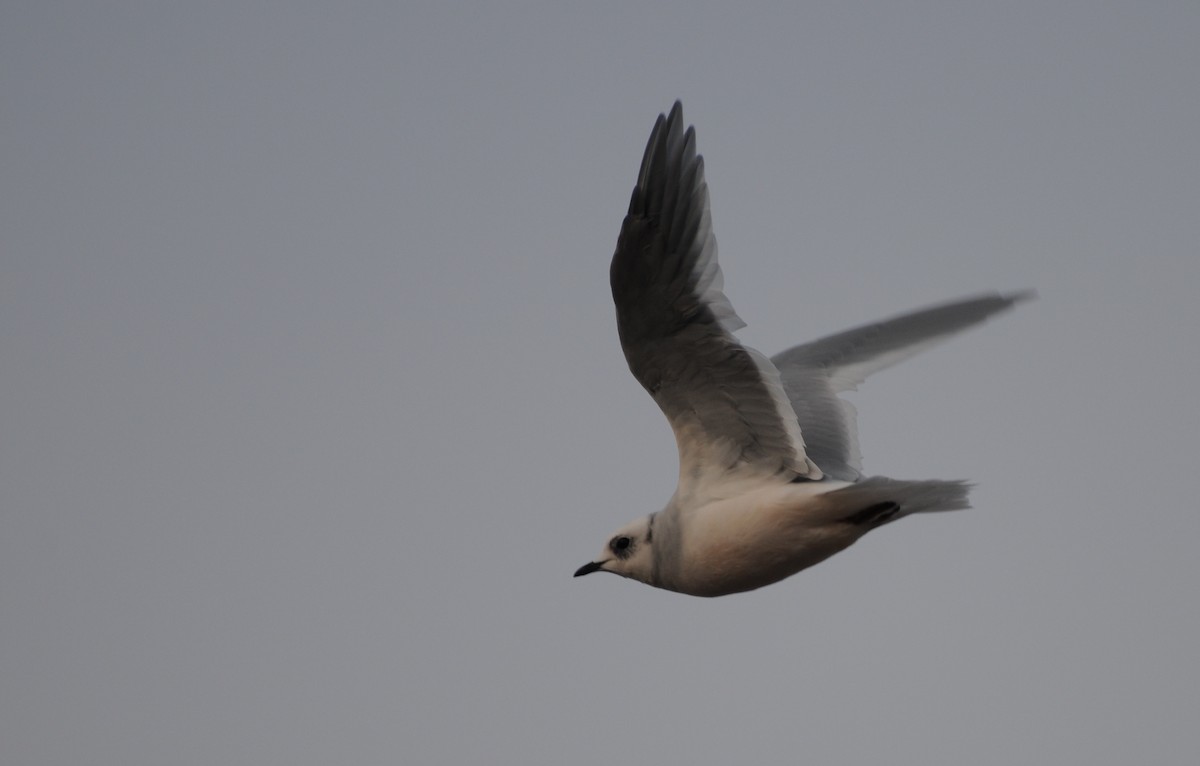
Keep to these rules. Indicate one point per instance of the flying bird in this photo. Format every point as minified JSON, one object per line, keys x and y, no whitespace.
{"x":770,"y":478}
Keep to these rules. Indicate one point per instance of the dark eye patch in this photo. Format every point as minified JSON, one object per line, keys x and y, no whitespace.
{"x":622,"y":546}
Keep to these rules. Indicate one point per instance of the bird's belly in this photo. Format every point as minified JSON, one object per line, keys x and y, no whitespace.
{"x":730,"y":550}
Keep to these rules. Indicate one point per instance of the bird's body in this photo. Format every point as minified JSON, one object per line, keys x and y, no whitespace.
{"x":752,"y":539}
{"x":770,"y":480}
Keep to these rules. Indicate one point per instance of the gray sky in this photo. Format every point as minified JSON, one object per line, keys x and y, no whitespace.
{"x":311,"y":396}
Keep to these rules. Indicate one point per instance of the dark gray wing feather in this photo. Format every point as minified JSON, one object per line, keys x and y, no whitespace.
{"x":724,"y":400}
{"x":814,"y":373}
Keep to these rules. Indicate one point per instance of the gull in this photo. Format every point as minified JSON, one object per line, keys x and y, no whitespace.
{"x":770,"y":477}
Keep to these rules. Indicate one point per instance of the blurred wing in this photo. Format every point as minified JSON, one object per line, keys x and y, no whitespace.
{"x":725,"y":402}
{"x":815,"y":373}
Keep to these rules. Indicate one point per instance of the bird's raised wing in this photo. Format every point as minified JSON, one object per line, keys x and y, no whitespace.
{"x":815,"y":373}
{"x":725,"y":401}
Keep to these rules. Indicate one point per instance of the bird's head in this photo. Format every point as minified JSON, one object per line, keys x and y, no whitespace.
{"x":627,"y":553}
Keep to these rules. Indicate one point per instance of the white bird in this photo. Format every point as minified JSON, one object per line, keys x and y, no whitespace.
{"x":769,"y":472}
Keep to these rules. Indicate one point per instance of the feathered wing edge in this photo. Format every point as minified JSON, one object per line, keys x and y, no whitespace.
{"x":659,"y":185}
{"x":814,"y":373}
{"x":725,"y":401}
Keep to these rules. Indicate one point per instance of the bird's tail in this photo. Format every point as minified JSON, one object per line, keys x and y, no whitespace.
{"x":878,"y":500}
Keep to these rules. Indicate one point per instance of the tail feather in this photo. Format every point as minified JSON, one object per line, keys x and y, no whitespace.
{"x":878,"y":499}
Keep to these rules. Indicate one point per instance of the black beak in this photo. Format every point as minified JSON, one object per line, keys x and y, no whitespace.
{"x":588,"y":568}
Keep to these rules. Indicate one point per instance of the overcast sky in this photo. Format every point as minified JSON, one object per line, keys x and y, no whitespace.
{"x":311,"y":399}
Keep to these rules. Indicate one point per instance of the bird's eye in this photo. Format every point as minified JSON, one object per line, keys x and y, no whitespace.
{"x":622,"y":546}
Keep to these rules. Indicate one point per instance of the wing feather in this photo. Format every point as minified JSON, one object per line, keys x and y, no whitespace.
{"x":726,"y":402}
{"x":815,"y":373}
